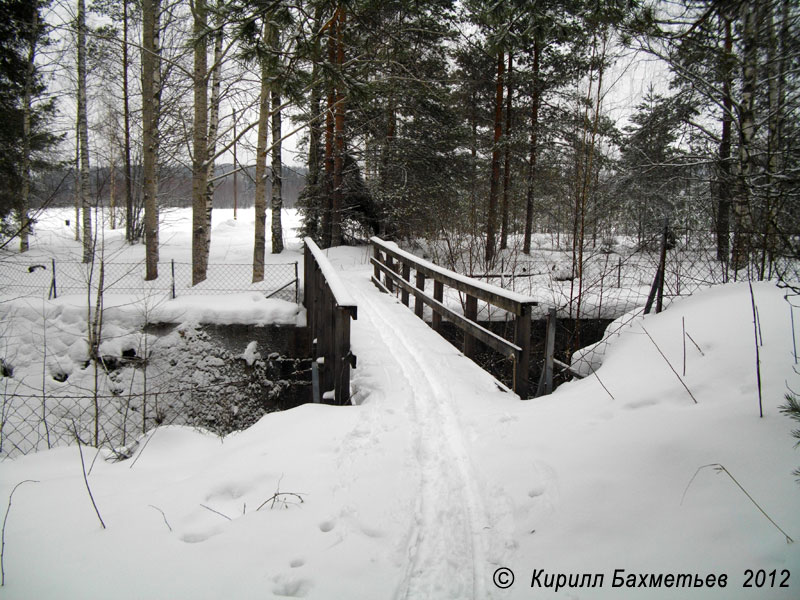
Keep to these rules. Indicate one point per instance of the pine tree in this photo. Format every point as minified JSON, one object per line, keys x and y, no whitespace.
{"x":25,"y":139}
{"x":792,"y":410}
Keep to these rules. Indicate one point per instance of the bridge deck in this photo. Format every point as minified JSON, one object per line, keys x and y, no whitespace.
{"x":431,"y":392}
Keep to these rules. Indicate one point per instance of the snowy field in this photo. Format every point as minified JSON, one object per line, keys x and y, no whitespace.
{"x":437,"y":484}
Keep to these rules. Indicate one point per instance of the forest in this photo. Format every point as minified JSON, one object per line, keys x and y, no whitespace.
{"x":469,"y":126}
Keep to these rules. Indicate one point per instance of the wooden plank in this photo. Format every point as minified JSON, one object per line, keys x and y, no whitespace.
{"x":390,"y":264}
{"x":418,"y":304}
{"x":438,"y":295}
{"x":379,"y":284}
{"x":546,"y":379}
{"x":340,"y":294}
{"x":510,"y":301}
{"x":376,"y":253}
{"x":407,"y":277}
{"x":564,"y":366}
{"x":491,"y":339}
{"x":471,"y":313}
{"x":341,"y":362}
{"x":522,"y":337}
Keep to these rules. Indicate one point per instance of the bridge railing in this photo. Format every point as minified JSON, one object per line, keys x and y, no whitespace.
{"x":329,"y":308}
{"x":396,"y":265}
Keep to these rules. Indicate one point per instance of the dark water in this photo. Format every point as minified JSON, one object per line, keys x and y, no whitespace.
{"x":571,"y":335}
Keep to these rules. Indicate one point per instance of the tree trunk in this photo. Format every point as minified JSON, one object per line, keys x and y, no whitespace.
{"x":506,"y":160}
{"x":77,"y":184}
{"x":277,"y":168}
{"x":151,"y":99}
{"x":130,"y":232}
{"x":112,"y":191}
{"x":723,"y":224}
{"x":776,"y":108}
{"x":213,"y":125}
{"x":338,"y":161}
{"x":83,"y":137}
{"x":314,"y":209}
{"x":491,"y":221}
{"x":27,"y":110}
{"x":200,"y":143}
{"x":260,"y":202}
{"x":742,"y":241}
{"x":327,"y":216}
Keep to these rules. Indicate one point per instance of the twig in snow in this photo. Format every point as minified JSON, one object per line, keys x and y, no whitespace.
{"x":5,"y":520}
{"x":683,"y":329}
{"x":150,"y":437}
{"x":696,"y":345}
{"x":85,"y":478}
{"x":277,"y":499}
{"x":670,"y":365}
{"x":94,"y":460}
{"x":216,"y":512}
{"x":758,"y":357}
{"x":163,"y":515}
{"x":719,"y":468}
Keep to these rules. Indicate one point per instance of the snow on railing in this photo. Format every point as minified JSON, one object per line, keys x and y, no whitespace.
{"x":329,"y":308}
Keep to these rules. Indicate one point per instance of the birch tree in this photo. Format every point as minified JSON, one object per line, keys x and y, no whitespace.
{"x":151,"y":114}
{"x":83,"y":137}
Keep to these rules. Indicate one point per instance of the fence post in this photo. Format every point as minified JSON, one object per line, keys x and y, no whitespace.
{"x":53,"y":291}
{"x":471,"y":312}
{"x":522,"y":338}
{"x":296,"y":284}
{"x":173,"y":278}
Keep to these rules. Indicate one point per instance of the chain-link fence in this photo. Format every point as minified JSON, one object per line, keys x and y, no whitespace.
{"x":57,"y":278}
{"x":49,"y":394}
{"x":189,"y":379}
{"x":600,"y":288}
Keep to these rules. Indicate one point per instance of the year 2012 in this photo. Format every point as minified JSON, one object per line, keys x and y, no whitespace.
{"x":762,"y":578}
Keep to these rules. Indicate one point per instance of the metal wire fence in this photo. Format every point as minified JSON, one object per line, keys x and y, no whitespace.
{"x":219,"y":400}
{"x":58,"y":278}
{"x":204,"y":385}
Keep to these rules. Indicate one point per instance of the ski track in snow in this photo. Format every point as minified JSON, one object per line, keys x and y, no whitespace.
{"x":445,"y":554}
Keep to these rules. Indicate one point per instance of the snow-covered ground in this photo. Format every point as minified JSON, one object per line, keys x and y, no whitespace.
{"x":437,"y":478}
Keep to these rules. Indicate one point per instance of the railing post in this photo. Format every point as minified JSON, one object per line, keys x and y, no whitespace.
{"x":546,"y":380}
{"x":309,"y":292}
{"x":341,"y":350}
{"x":438,"y":295}
{"x":418,"y":304}
{"x":407,"y":276}
{"x":522,"y":338}
{"x":471,"y":312}
{"x":376,"y":253}
{"x":388,"y":280}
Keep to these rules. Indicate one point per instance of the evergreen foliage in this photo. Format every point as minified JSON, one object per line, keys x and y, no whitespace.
{"x":21,"y":29}
{"x":792,"y":410}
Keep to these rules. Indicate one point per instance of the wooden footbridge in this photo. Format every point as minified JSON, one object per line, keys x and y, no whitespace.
{"x":330,"y":308}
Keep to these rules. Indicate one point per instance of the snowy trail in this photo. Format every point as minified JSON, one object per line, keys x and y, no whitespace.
{"x":445,"y":553}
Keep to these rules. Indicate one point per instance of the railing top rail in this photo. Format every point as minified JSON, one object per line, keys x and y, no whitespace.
{"x":340,"y":293}
{"x":508,"y":300}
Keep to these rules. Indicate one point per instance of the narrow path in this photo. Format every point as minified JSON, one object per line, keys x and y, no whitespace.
{"x":445,"y":553}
